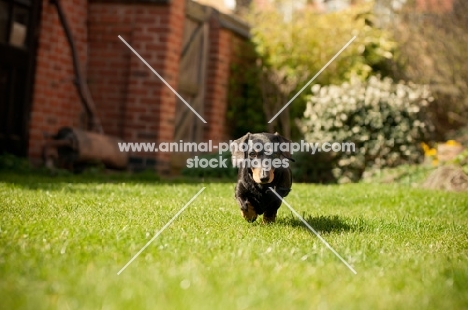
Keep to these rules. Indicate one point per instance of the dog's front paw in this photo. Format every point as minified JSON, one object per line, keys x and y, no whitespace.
{"x":249,"y":213}
{"x":269,"y":219}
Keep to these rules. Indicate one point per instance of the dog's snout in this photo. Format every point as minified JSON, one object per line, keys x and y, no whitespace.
{"x":264,"y":175}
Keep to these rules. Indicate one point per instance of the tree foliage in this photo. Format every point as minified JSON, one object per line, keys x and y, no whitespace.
{"x":432,"y":50}
{"x":293,"y":49}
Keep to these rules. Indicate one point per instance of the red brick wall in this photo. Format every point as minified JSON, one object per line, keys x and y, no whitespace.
{"x":132,"y":101}
{"x":109,"y":61}
{"x":218,"y":81}
{"x":55,"y":99}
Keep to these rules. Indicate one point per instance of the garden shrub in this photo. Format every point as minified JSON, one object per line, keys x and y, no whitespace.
{"x":9,"y":162}
{"x":386,"y":121}
{"x":314,"y":168}
{"x":462,"y":160}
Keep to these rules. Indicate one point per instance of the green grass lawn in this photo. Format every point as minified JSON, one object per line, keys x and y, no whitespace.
{"x":63,"y":240}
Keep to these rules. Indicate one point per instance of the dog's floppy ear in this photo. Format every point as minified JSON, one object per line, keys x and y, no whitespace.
{"x":238,"y":150}
{"x":281,"y":139}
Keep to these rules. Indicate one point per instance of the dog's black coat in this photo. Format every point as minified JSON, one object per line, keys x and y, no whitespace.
{"x":260,"y":196}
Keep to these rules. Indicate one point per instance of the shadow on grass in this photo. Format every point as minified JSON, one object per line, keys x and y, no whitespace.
{"x":322,"y":224}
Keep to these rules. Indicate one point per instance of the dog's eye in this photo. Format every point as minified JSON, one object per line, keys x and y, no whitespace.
{"x":253,"y":154}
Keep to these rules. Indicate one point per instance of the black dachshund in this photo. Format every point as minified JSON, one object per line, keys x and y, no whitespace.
{"x":263,"y":162}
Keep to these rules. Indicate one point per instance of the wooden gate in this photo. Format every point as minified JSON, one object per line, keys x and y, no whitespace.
{"x":192,"y":79}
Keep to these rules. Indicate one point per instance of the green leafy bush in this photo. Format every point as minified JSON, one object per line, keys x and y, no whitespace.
{"x":386,"y":121}
{"x":9,"y":162}
{"x":316,"y":168}
{"x":462,"y":160}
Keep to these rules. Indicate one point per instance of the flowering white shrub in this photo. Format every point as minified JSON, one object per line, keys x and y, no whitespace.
{"x":386,"y":121}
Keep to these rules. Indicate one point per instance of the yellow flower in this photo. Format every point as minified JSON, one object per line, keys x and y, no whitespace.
{"x":425,"y":147}
{"x":452,"y":142}
{"x":431,"y":152}
{"x":435,"y":162}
